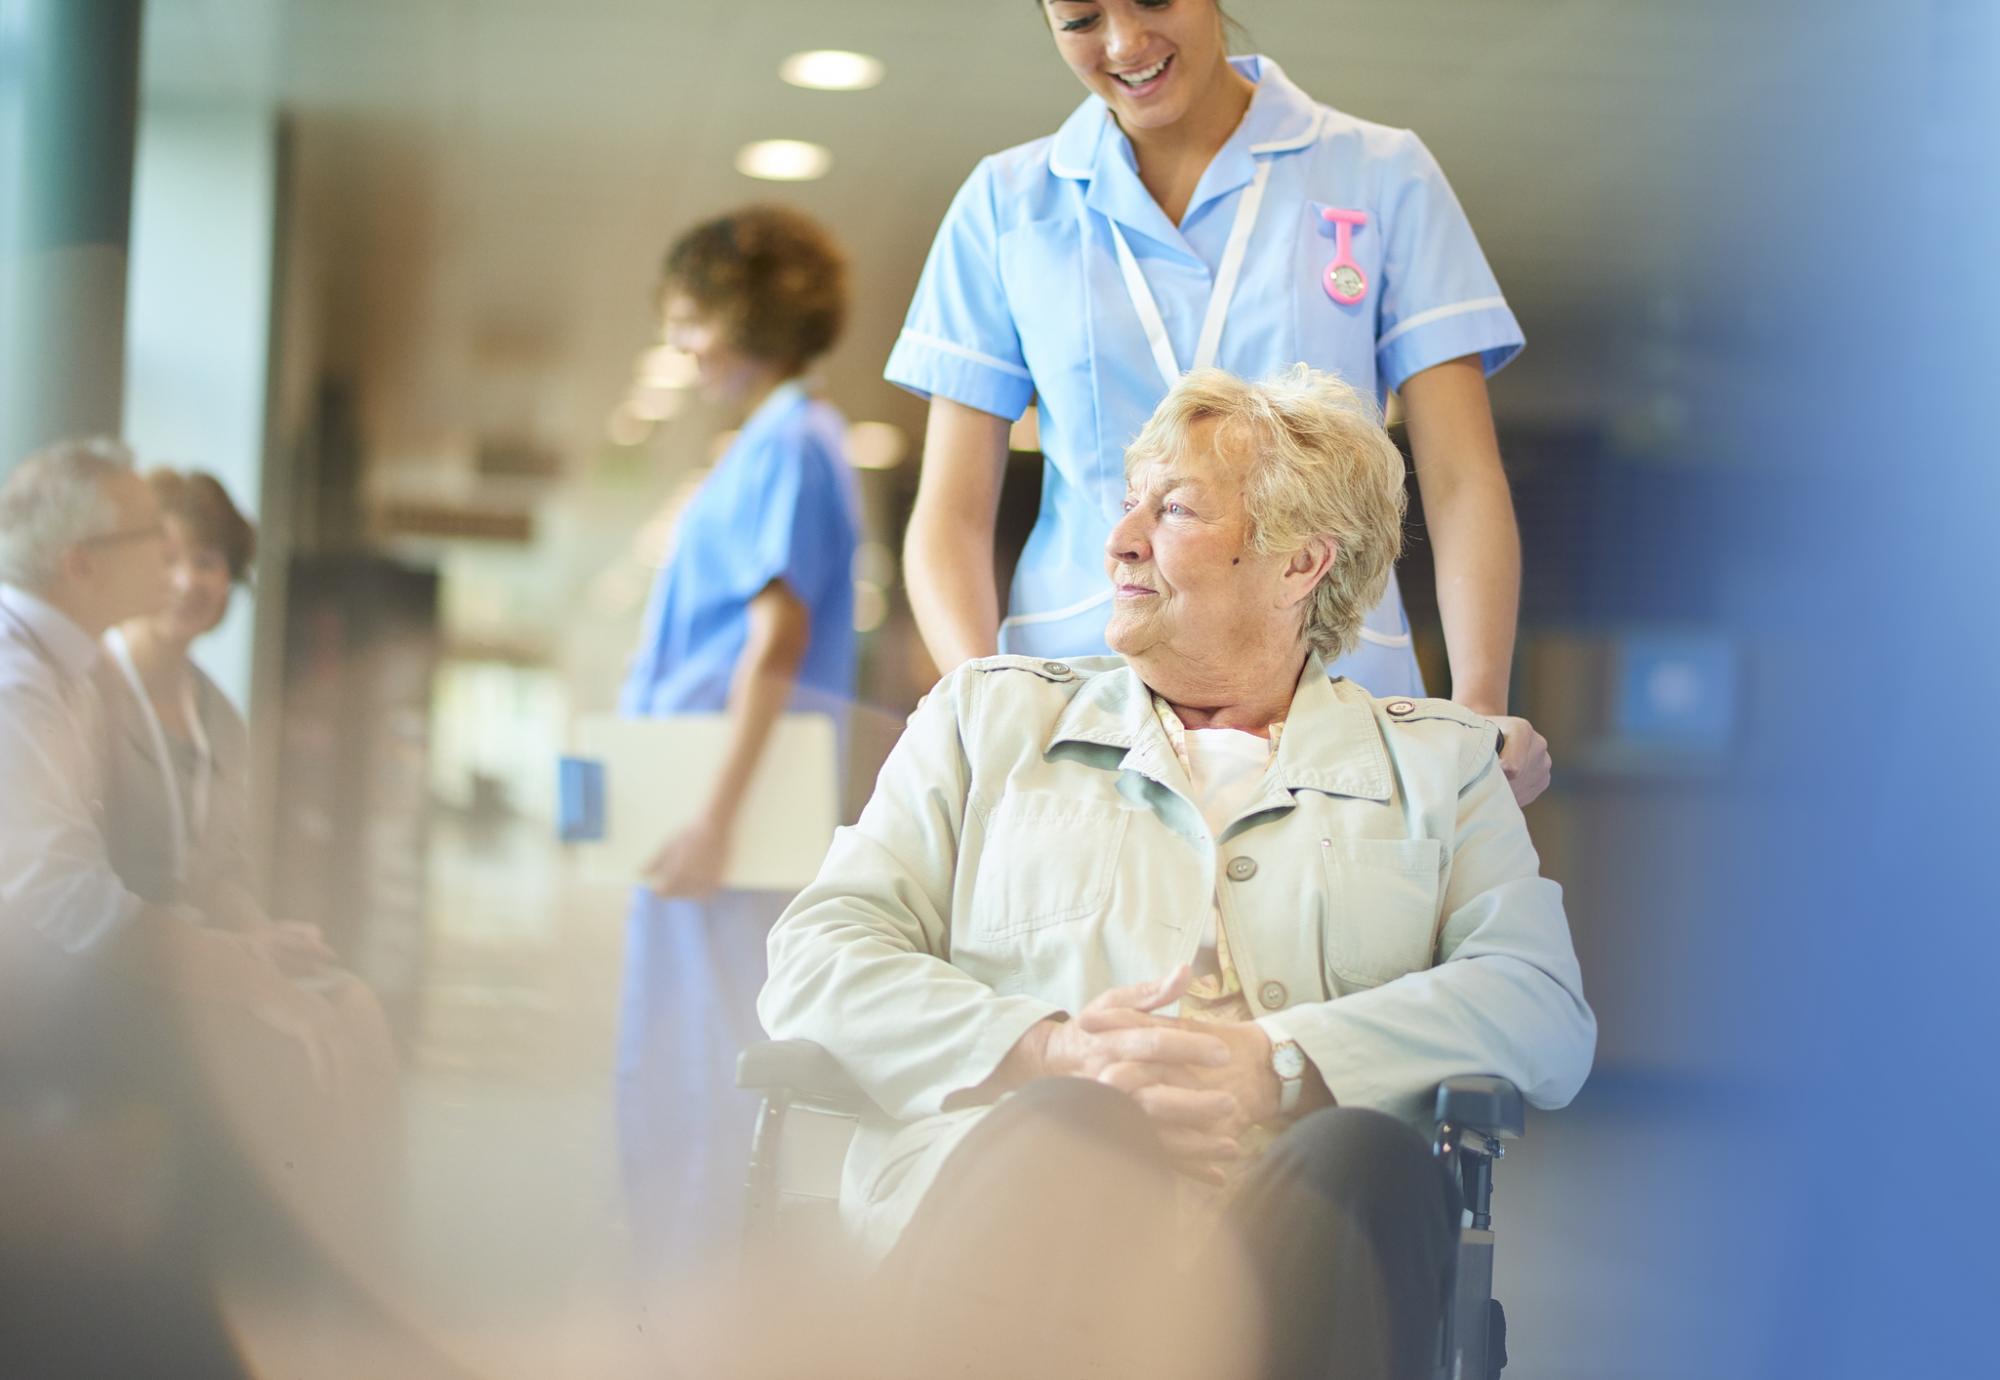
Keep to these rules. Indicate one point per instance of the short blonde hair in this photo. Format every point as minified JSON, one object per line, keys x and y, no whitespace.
{"x":1321,"y":465}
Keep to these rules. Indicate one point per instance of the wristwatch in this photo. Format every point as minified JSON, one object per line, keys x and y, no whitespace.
{"x":1288,"y":1061}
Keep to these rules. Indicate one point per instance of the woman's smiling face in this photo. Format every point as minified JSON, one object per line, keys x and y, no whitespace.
{"x":1150,"y":60}
{"x":198,"y":581}
{"x":1184,"y":577}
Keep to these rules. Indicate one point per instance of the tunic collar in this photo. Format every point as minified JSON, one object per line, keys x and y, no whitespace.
{"x":776,"y":405}
{"x":1090,"y":148}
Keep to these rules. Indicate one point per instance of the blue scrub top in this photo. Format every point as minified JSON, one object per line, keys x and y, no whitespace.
{"x":781,"y":504}
{"x":1022,"y":298}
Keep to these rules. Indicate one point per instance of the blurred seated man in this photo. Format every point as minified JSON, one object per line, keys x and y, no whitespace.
{"x":1151,"y":961}
{"x":107,"y":1002}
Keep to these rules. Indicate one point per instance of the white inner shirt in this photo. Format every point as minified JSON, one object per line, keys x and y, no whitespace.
{"x":1226,"y":767}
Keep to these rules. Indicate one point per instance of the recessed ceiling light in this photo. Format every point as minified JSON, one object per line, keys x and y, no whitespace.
{"x":830,"y":69}
{"x":783,"y":160}
{"x":653,"y":403}
{"x":665,"y":367}
{"x":876,"y":445}
{"x":871,"y":606}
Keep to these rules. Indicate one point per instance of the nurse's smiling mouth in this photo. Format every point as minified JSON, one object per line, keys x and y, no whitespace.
{"x":1144,"y":81}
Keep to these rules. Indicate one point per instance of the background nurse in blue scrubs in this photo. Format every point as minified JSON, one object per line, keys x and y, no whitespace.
{"x":753,"y":614}
{"x":1194,"y":210}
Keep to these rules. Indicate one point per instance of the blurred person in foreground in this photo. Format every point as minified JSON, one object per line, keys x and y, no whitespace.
{"x":752,"y":615}
{"x":1151,"y":962}
{"x":116,"y":1013}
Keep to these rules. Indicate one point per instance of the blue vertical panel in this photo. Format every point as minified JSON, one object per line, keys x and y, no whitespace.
{"x":1858,"y":922}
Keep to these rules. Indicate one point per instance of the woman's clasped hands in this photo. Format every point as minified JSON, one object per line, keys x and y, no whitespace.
{"x":1202,"y":1085}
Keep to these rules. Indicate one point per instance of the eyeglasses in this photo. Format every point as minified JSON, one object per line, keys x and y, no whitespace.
{"x":157,"y":529}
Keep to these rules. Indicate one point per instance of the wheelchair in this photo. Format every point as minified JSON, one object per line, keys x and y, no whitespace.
{"x":811,"y":1107}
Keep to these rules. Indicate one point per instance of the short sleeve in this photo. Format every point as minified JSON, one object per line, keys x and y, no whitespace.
{"x":803,"y":530}
{"x":1439,"y":298}
{"x":959,"y":341}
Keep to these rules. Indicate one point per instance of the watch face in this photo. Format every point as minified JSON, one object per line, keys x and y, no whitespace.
{"x":1289,"y":1060}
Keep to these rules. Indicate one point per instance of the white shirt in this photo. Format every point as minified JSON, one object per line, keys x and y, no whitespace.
{"x":55,"y":874}
{"x":1226,"y":767}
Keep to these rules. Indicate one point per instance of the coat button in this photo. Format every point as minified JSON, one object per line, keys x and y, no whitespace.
{"x":1055,"y":668}
{"x":1272,"y":995}
{"x":1242,"y":869}
{"x":1401,"y":707}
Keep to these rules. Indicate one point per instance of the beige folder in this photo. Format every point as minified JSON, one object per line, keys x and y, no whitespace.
{"x":657,"y":774}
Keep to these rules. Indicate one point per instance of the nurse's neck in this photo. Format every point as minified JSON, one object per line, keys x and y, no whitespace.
{"x":756,"y":386}
{"x":1173,"y":157}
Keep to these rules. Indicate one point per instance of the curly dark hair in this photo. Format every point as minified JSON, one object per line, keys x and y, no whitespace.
{"x":200,"y":503}
{"x":775,"y":278}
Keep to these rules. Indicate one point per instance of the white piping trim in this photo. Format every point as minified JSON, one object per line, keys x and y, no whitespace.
{"x":1296,"y":141}
{"x":1288,"y":144}
{"x":1424,"y":318}
{"x":1381,"y":639}
{"x":977,"y":358}
{"x":1057,"y":615}
{"x":1081,"y":174}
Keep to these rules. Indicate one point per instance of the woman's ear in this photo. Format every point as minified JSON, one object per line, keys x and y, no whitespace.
{"x":1308,"y":566}
{"x":76,"y":563}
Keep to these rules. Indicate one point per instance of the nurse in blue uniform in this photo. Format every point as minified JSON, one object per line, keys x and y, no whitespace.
{"x":752,"y":615}
{"x":1200,"y":210}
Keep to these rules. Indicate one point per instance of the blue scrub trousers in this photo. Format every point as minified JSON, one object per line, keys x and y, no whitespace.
{"x":692,"y":973}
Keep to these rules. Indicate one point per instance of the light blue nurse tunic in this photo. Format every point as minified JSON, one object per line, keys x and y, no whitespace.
{"x":781,"y":504}
{"x":1023,"y":297}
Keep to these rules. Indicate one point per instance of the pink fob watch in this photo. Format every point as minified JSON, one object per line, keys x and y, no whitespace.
{"x":1344,"y":280}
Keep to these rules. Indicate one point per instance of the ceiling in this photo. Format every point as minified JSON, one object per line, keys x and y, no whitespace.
{"x":487,"y":185}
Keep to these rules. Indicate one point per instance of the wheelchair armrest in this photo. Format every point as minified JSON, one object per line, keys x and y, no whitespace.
{"x":801,"y":1068}
{"x":1478,"y":1102}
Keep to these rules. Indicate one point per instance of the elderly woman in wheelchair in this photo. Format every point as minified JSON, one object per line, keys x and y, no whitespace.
{"x":1149,"y":963}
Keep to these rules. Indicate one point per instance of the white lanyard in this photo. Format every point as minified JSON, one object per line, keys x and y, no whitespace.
{"x":177,"y":813}
{"x":1226,"y":277}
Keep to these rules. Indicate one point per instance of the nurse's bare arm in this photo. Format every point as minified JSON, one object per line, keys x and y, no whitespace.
{"x":691,"y":862}
{"x":948,"y":549}
{"x":1476,"y":547}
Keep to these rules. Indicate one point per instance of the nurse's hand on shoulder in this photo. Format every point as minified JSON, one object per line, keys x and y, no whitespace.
{"x":1524,"y":757}
{"x":690,"y":863}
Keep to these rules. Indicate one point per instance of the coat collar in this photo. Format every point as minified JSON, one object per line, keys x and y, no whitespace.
{"x":73,"y":650}
{"x":1091,"y":149}
{"x":1331,"y":741}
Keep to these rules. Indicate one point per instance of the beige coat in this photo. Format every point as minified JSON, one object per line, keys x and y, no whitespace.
{"x":1031,"y":842}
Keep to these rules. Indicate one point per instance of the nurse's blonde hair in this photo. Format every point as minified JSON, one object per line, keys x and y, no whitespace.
{"x":1322,"y":467}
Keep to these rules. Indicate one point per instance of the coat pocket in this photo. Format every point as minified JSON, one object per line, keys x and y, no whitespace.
{"x":1382,"y":907}
{"x":1047,"y":860}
